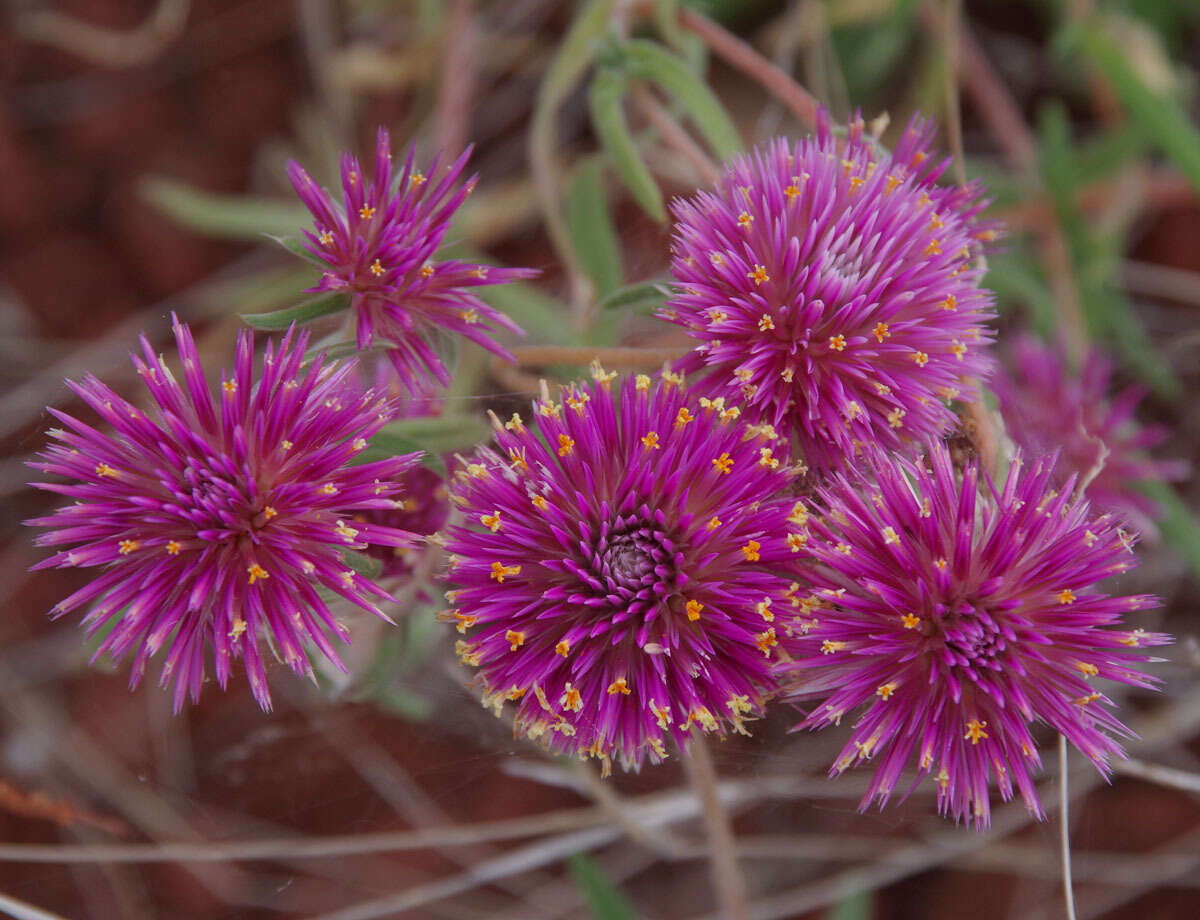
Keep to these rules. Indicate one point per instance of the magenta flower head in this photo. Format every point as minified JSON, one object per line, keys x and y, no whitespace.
{"x":950,"y":617}
{"x":620,"y":566}
{"x":378,"y":247}
{"x":1046,"y":408}
{"x":218,"y":524}
{"x":834,"y":288}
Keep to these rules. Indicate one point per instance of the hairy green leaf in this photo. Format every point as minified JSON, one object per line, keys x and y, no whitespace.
{"x":605,"y":99}
{"x":590,"y":225}
{"x":238,"y":217}
{"x":302,"y":313}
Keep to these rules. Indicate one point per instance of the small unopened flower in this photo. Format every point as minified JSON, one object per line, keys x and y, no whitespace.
{"x":379,"y":246}
{"x":624,"y":571}
{"x":1047,"y":408}
{"x":835,"y":289}
{"x":946,"y":618}
{"x":214,"y":522}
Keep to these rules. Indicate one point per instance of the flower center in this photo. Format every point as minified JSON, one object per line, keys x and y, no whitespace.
{"x":973,"y":638}
{"x":633,"y":563}
{"x":218,"y":503}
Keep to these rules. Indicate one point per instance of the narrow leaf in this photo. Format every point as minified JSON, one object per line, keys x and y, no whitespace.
{"x":591,"y":228}
{"x":604,"y":899}
{"x":1158,"y":114}
{"x":650,"y":61}
{"x":608,"y":121}
{"x":1180,"y":529}
{"x":362,"y":564}
{"x":296,"y":247}
{"x":238,"y":217}
{"x":300,"y":314}
{"x":636,"y":295}
{"x":441,"y":434}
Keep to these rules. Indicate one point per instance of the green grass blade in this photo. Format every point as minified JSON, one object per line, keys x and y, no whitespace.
{"x":605,"y":99}
{"x":604,"y":899}
{"x":300,"y":314}
{"x":591,"y":229}
{"x":236,"y":217}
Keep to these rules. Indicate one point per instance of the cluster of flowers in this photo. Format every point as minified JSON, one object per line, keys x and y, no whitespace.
{"x":644,"y":559}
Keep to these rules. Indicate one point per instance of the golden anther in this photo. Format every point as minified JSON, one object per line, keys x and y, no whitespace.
{"x":829,"y":646}
{"x":491,"y":521}
{"x":683,"y":417}
{"x":890,"y":535}
{"x":229,"y":386}
{"x":958,"y":349}
{"x":1087,"y":668}
{"x":366,"y":212}
{"x":620,"y":685}
{"x":501,"y":571}
{"x":766,"y":641}
{"x":950,"y":303}
{"x":750,"y":551}
{"x":713,"y":523}
{"x":1066,"y":596}
{"x":563,"y":648}
{"x":174,"y":548}
{"x":514,"y":639}
{"x":919,"y":358}
{"x":723,"y":464}
{"x":326,"y":237}
{"x":427,"y":270}
{"x":540,"y":502}
{"x":765,"y":323}
{"x":465,"y":621}
{"x":125,"y":547}
{"x":650,"y":441}
{"x":881,"y":331}
{"x":934,"y":248}
{"x":759,"y":274}
{"x":797,"y":541}
{"x":565,"y":445}
{"x":745,"y":220}
{"x":417,"y":179}
{"x":571,"y":699}
{"x":693,"y":608}
{"x":255,"y":572}
{"x":469,"y":316}
{"x":910,"y":620}
{"x":895,"y":418}
{"x":515,"y":424}
{"x":766,"y":457}
{"x":838,"y":343}
{"x":975,"y":731}
{"x":885,"y":691}
{"x":940,"y":563}
{"x":239,"y":627}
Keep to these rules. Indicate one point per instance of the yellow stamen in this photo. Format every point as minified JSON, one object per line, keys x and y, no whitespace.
{"x":766,"y":641}
{"x":919,"y":358}
{"x":975,"y":731}
{"x":744,"y":219}
{"x":759,"y":275}
{"x":896,"y":418}
{"x":366,"y":212}
{"x":723,"y":464}
{"x":766,"y":324}
{"x":620,"y":685}
{"x":174,"y":548}
{"x":571,"y":699}
{"x":565,"y":445}
{"x":750,"y":551}
{"x":491,"y":521}
{"x":829,"y":646}
{"x":910,"y":620}
{"x":958,"y":349}
{"x":838,"y":343}
{"x":884,"y":691}
{"x":125,"y":547}
{"x":256,"y":572}
{"x":650,"y":441}
{"x":563,"y":648}
{"x":514,"y":639}
{"x":683,"y":417}
{"x":1067,"y":596}
{"x":713,"y":523}
{"x":500,"y":571}
{"x":881,"y":331}
{"x":934,"y":248}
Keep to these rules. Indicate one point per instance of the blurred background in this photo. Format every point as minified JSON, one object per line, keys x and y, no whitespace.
{"x":142,"y":154}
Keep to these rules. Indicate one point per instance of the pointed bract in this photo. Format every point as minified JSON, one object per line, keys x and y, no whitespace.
{"x":834,"y":288}
{"x":214,"y":520}
{"x":946,"y":618}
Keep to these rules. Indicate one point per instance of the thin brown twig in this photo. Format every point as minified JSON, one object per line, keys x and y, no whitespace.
{"x":457,"y":84}
{"x":727,"y":876}
{"x":675,"y":137}
{"x":741,"y":56}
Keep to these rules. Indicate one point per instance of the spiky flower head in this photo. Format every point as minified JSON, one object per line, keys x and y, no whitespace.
{"x":1047,"y":408}
{"x":835,"y":289}
{"x":949,"y":615}
{"x":220,"y":524}
{"x":620,"y":567}
{"x":378,"y":246}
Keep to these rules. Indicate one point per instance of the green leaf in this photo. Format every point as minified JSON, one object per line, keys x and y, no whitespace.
{"x":603,"y":898}
{"x":650,"y":61}
{"x":300,"y":314}
{"x":383,"y":446}
{"x":591,"y":228}
{"x":237,"y":217}
{"x":296,"y":246}
{"x":858,"y":906}
{"x":440,"y":434}
{"x":362,"y":564}
{"x":636,"y":295}
{"x":1159,"y":115}
{"x":608,"y":121}
{"x":1180,"y":529}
